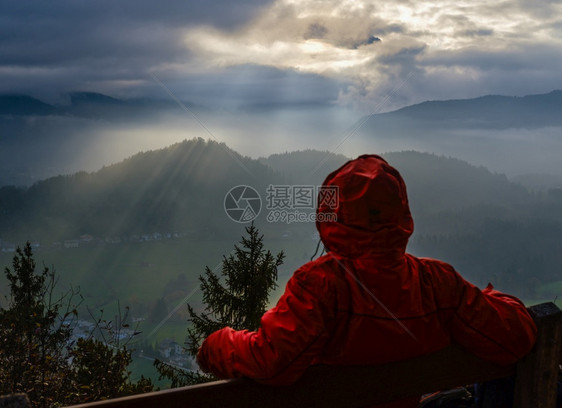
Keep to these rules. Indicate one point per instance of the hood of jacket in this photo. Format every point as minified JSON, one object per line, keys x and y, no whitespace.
{"x":372,"y":215}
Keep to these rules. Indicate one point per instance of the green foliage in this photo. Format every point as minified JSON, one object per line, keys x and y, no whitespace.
{"x":237,"y":298}
{"x":37,"y":353}
{"x":249,"y":275}
{"x":34,"y":342}
{"x":100,"y":372}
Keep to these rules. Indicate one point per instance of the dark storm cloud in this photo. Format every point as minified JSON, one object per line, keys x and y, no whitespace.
{"x":475,"y":71}
{"x":195,"y":46}
{"x":475,"y":33}
{"x":315,"y":30}
{"x":55,"y":31}
{"x":516,"y":58}
{"x":368,"y":41}
{"x":63,"y":45}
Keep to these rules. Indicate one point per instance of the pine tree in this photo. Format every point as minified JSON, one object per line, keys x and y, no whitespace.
{"x":249,"y":274}
{"x":237,"y":298}
{"x":34,"y":341}
{"x":37,"y":353}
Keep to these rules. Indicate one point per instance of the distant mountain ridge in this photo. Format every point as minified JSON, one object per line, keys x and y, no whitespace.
{"x":511,"y":135}
{"x":39,"y":140}
{"x":83,"y":104}
{"x":491,"y":111}
{"x":24,"y":105}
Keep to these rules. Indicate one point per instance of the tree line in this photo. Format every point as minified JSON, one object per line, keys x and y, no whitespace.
{"x":39,"y":355}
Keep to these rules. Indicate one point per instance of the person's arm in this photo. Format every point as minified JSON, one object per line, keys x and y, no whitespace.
{"x":291,"y":335}
{"x":492,"y":325}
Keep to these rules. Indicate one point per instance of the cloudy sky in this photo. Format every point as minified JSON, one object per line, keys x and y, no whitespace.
{"x":306,"y":71}
{"x":368,"y":54}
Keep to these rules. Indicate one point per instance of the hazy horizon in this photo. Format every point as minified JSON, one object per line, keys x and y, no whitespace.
{"x":91,"y":140}
{"x":277,"y":75}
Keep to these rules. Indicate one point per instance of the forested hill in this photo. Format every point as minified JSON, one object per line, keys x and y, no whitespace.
{"x":178,"y":188}
{"x":434,"y":182}
{"x":182,"y":187}
{"x":487,"y":226}
{"x":305,"y":166}
{"x":438,"y":183}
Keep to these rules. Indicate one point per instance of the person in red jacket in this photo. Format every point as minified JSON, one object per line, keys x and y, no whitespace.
{"x":367,"y":301}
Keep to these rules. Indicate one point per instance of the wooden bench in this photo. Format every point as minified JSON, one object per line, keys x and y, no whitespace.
{"x":360,"y":386}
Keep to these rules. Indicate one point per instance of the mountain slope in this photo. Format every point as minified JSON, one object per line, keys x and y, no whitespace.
{"x":305,"y":166}
{"x":174,"y":189}
{"x":486,"y":112}
{"x":438,"y":183}
{"x":511,"y":135}
{"x":434,"y":182}
{"x":183,"y":187}
{"x":23,"y":105}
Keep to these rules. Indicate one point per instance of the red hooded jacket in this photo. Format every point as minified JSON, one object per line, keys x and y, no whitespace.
{"x":367,"y":301}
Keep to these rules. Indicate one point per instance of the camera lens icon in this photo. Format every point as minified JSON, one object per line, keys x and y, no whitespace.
{"x":242,"y":204}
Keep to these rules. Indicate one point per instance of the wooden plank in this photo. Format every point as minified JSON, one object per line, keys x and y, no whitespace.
{"x":537,"y":373}
{"x":331,"y":386}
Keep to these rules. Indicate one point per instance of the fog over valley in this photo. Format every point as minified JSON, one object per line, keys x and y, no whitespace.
{"x":516,"y":136}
